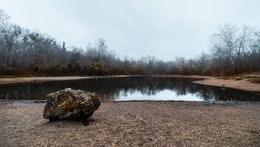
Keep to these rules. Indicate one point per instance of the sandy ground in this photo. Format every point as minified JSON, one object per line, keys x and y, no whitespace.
{"x":135,"y":124}
{"x":237,"y":84}
{"x":38,"y":79}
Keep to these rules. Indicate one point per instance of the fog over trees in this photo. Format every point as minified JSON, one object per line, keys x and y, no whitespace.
{"x":233,"y":50}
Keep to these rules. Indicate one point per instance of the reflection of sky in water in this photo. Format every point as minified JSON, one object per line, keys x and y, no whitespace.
{"x":139,"y":88}
{"x":161,"y":95}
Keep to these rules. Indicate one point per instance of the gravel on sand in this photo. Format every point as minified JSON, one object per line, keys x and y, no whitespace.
{"x":135,"y":124}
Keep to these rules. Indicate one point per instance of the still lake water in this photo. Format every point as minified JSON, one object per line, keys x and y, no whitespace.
{"x":130,"y":88}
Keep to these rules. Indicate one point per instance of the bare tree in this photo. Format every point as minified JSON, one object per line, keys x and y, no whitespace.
{"x":233,"y":49}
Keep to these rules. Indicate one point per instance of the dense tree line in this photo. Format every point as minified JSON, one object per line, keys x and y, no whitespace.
{"x":233,"y":50}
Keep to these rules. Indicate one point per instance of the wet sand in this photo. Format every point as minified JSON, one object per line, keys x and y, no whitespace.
{"x":135,"y":124}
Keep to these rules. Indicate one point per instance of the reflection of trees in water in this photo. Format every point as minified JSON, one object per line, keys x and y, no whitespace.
{"x":110,"y":89}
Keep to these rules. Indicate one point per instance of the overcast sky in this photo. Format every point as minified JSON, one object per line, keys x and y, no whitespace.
{"x":134,"y":28}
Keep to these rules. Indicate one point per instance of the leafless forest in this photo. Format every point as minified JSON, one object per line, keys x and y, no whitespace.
{"x":232,"y":50}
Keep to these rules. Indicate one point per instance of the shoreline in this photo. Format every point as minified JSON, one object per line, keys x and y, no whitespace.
{"x":43,"y":79}
{"x":204,"y":80}
{"x":64,"y":78}
{"x":135,"y":124}
{"x":230,"y":83}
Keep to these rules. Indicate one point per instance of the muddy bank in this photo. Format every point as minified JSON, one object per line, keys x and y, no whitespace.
{"x":135,"y":124}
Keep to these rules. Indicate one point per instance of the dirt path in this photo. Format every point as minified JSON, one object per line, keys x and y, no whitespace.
{"x":135,"y":124}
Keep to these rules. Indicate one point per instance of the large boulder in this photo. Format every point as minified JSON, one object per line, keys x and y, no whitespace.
{"x":70,"y":104}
